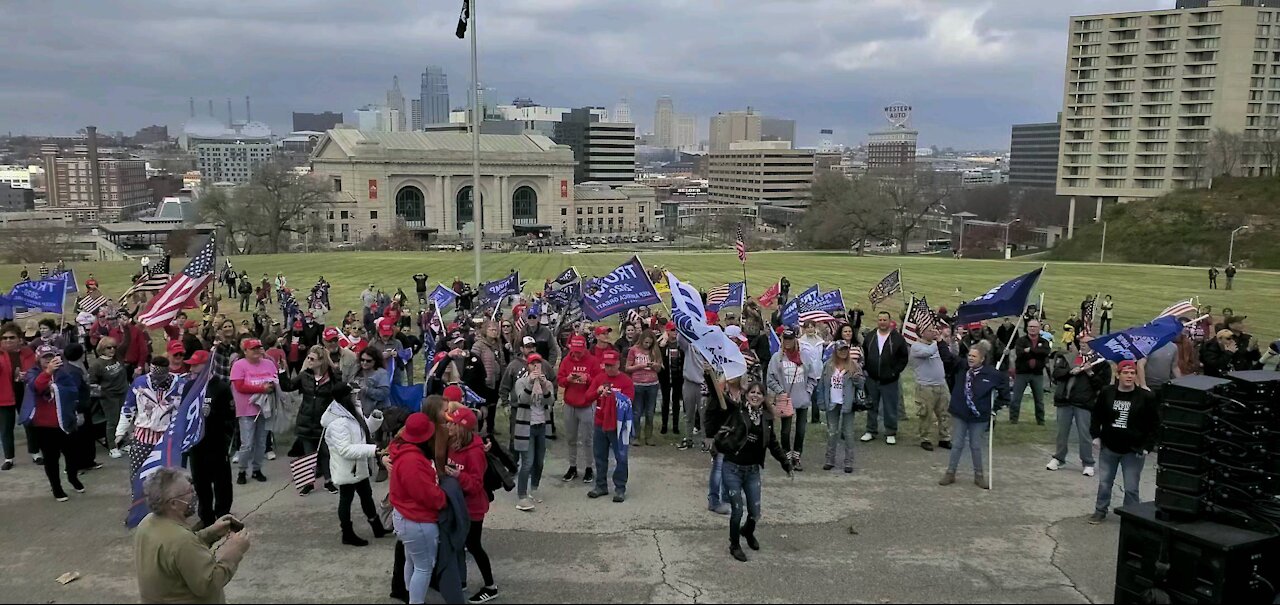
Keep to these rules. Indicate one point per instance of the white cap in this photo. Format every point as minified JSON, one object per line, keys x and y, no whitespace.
{"x":528,"y":340}
{"x":734,"y":332}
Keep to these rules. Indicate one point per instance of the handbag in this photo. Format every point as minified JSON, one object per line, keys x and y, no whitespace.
{"x":782,"y":402}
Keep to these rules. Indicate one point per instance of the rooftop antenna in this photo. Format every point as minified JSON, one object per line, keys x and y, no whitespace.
{"x":192,"y":102}
{"x":230,"y":122}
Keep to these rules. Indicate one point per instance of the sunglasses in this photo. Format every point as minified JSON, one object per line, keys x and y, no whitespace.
{"x":366,"y":360}
{"x":108,"y":348}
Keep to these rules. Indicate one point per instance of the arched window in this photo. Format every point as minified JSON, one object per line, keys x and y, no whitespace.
{"x":524,"y":206}
{"x":465,"y":208}
{"x":411,"y":206}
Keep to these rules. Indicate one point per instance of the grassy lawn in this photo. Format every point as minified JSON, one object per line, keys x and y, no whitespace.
{"x":1139,"y":291}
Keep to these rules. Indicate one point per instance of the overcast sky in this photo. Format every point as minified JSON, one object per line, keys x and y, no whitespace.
{"x":970,"y":68}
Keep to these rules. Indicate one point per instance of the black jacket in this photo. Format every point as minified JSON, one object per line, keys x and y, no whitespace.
{"x":1125,"y":422}
{"x":1080,"y":390}
{"x":886,"y":370}
{"x":1027,"y":354}
{"x":315,"y":400}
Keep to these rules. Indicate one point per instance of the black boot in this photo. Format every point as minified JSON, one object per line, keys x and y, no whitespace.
{"x":749,"y":532}
{"x":736,"y":550}
{"x":378,"y":530}
{"x":350,"y":538}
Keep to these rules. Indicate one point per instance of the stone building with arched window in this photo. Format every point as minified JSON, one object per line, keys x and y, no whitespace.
{"x":423,"y":182}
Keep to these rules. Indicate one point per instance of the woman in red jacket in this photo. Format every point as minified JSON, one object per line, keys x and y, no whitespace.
{"x":417,"y":499}
{"x":15,"y":360}
{"x":468,"y":463}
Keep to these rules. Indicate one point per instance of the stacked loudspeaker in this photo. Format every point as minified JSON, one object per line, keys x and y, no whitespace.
{"x":1213,"y":534}
{"x":1219,"y":453}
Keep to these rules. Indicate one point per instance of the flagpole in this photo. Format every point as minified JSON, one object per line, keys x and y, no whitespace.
{"x":476,"y":200}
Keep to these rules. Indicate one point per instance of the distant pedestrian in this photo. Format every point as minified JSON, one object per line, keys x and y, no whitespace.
{"x":1231,"y":274}
{"x":1213,"y":278}
{"x":1108,"y":309}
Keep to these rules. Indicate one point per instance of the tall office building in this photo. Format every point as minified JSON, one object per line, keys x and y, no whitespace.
{"x":732,"y":127}
{"x":686,"y":134}
{"x":395,"y":102}
{"x":415,"y":115}
{"x":767,"y":173}
{"x":1145,"y":91}
{"x":664,"y":122}
{"x":377,"y":118}
{"x":435,"y":96}
{"x":318,"y":122}
{"x":1033,"y":156}
{"x":605,"y":151}
{"x":622,"y":112}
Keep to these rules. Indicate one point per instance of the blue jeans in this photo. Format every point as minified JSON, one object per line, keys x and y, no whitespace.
{"x":1108,"y":463}
{"x":531,"y":460}
{"x":1069,"y":415}
{"x":253,"y":442}
{"x":420,"y":543}
{"x":839,"y":433}
{"x":886,"y":398}
{"x":967,"y":434}
{"x":602,"y":444}
{"x":742,"y":484}
{"x":646,"y":402}
{"x":716,"y":489}
{"x":1020,"y":383}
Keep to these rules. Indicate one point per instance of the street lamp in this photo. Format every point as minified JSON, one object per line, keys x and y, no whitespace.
{"x":1006,"y":236}
{"x":964,"y":218}
{"x":1232,"y":248}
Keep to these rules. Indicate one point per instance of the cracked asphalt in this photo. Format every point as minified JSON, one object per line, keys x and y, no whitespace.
{"x":888,"y":533}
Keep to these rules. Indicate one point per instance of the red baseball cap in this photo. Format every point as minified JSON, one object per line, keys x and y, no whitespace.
{"x":671,"y":325}
{"x":453,"y":393}
{"x":713,"y":317}
{"x":577,"y":342}
{"x":297,"y":325}
{"x":331,"y":334}
{"x":439,"y":357}
{"x":250,"y":343}
{"x":191,"y":323}
{"x":386,"y":329}
{"x":418,"y":428}
{"x":601,"y":330}
{"x":1127,"y":364}
{"x":198,"y":358}
{"x":175,"y":347}
{"x":609,"y":357}
{"x":534,"y":358}
{"x":462,"y":417}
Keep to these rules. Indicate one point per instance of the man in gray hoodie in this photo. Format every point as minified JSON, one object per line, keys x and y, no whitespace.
{"x":691,"y":395}
{"x":932,"y":397}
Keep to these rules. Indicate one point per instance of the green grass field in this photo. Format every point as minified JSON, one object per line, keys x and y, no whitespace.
{"x":1139,"y":291}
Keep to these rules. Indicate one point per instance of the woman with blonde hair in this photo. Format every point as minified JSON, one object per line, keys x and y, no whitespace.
{"x":840,"y":394}
{"x":109,"y":381}
{"x":644,"y":360}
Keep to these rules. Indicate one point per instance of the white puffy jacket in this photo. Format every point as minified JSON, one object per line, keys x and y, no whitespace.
{"x":349,"y":455}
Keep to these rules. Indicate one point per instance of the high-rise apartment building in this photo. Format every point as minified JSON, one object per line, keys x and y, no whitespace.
{"x":1033,"y":156}
{"x":318,"y":122}
{"x":1146,"y":91}
{"x":605,"y":151}
{"x":664,"y":122}
{"x":435,"y":96}
{"x":734,"y":126}
{"x":395,"y":102}
{"x":415,"y":115}
{"x":622,"y":112}
{"x":764,"y":173}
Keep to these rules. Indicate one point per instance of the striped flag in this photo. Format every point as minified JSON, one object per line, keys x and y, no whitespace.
{"x":182,"y":291}
{"x":90,"y":303}
{"x":1087,"y":319}
{"x":817,"y":315}
{"x":740,"y":244}
{"x":303,"y":470}
{"x":919,"y":317}
{"x":890,"y":285}
{"x":716,"y":297}
{"x":1178,"y":309}
{"x":154,"y":279}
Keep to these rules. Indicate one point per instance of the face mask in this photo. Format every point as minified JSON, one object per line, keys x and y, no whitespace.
{"x":192,"y":507}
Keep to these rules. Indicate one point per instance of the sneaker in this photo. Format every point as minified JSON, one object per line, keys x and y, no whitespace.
{"x":1088,"y":471}
{"x":827,"y":467}
{"x":533,"y":493}
{"x":891,"y":440}
{"x":60,"y":496}
{"x":306,"y":489}
{"x":486,"y":594}
{"x":114,"y":453}
{"x":684,"y":445}
{"x":620,"y":497}
{"x":944,"y":444}
{"x":926,"y":446}
{"x":1097,"y":518}
{"x":571,"y":474}
{"x":75,"y":484}
{"x":331,"y":488}
{"x":1053,"y":465}
{"x":7,"y":466}
{"x":259,"y":477}
{"x":93,"y":466}
{"x":240,"y":480}
{"x":722,"y":509}
{"x":588,"y":476}
{"x":37,"y":458}
{"x":867,"y":437}
{"x":595,"y":493}
{"x":271,"y":455}
{"x":525,"y":504}
{"x":695,"y":432}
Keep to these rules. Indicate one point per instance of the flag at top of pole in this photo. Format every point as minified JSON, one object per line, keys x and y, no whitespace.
{"x":462,"y":20}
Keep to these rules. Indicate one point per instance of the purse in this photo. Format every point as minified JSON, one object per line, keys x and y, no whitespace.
{"x":782,"y":402}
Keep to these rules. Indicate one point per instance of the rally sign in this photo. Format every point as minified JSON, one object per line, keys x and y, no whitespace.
{"x":45,"y":294}
{"x":626,"y":287}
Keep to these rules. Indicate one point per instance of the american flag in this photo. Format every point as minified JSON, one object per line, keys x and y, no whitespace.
{"x":183,"y":290}
{"x":90,"y":303}
{"x":919,"y":317}
{"x":1087,"y":319}
{"x":633,"y":317}
{"x":740,"y":245}
{"x":716,"y":297}
{"x":1179,"y":309}
{"x":518,"y":321}
{"x":890,"y":285}
{"x":154,"y":279}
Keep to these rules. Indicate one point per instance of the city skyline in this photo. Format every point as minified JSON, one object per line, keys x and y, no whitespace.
{"x":970,"y":69}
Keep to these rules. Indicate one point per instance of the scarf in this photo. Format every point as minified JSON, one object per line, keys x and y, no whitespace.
{"x":754,"y":414}
{"x":161,"y":380}
{"x":968,"y":391}
{"x":793,"y":356}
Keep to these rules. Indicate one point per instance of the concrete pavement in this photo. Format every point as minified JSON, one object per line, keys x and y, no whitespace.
{"x":887,"y":533}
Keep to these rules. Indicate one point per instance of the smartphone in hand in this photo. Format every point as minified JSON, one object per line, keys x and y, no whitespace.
{"x":236,"y":525}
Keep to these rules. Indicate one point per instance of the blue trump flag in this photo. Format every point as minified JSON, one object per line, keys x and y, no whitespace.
{"x":185,"y":430}
{"x":44,"y":295}
{"x":494,"y":291}
{"x":442,"y":297}
{"x":1136,"y":343}
{"x":626,"y":287}
{"x":626,"y":418}
{"x":809,"y":299}
{"x":1004,"y":300}
{"x":831,"y":301}
{"x":70,"y":276}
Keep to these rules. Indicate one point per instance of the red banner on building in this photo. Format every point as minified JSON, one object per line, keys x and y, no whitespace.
{"x":373,"y":189}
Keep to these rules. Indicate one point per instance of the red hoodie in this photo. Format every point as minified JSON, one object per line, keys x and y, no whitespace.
{"x":606,"y":406}
{"x":415,"y":490}
{"x":474,"y":463}
{"x":26,"y":360}
{"x":575,"y":394}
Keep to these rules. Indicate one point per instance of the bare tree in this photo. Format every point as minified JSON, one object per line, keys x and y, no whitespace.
{"x":1225,"y":151}
{"x":1194,"y":153}
{"x":1263,"y":150}
{"x":33,"y":244}
{"x":913,"y":195}
{"x":845,"y":212}
{"x":274,"y":207}
{"x":994,"y":203}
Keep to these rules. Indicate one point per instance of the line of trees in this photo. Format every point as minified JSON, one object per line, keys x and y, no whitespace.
{"x":885,"y":205}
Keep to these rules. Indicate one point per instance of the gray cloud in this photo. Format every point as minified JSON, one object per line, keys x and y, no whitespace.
{"x":969,"y":67}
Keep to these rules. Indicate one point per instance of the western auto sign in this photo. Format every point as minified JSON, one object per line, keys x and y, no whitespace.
{"x":898,"y":113}
{"x":373,"y":189}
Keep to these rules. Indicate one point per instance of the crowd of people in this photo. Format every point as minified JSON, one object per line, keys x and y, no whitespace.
{"x":99,"y":379}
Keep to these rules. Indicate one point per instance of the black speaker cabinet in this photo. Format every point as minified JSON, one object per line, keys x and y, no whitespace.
{"x":1193,"y":562}
{"x":1193,"y":391}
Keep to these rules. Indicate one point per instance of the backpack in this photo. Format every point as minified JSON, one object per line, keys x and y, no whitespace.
{"x":732,"y":436}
